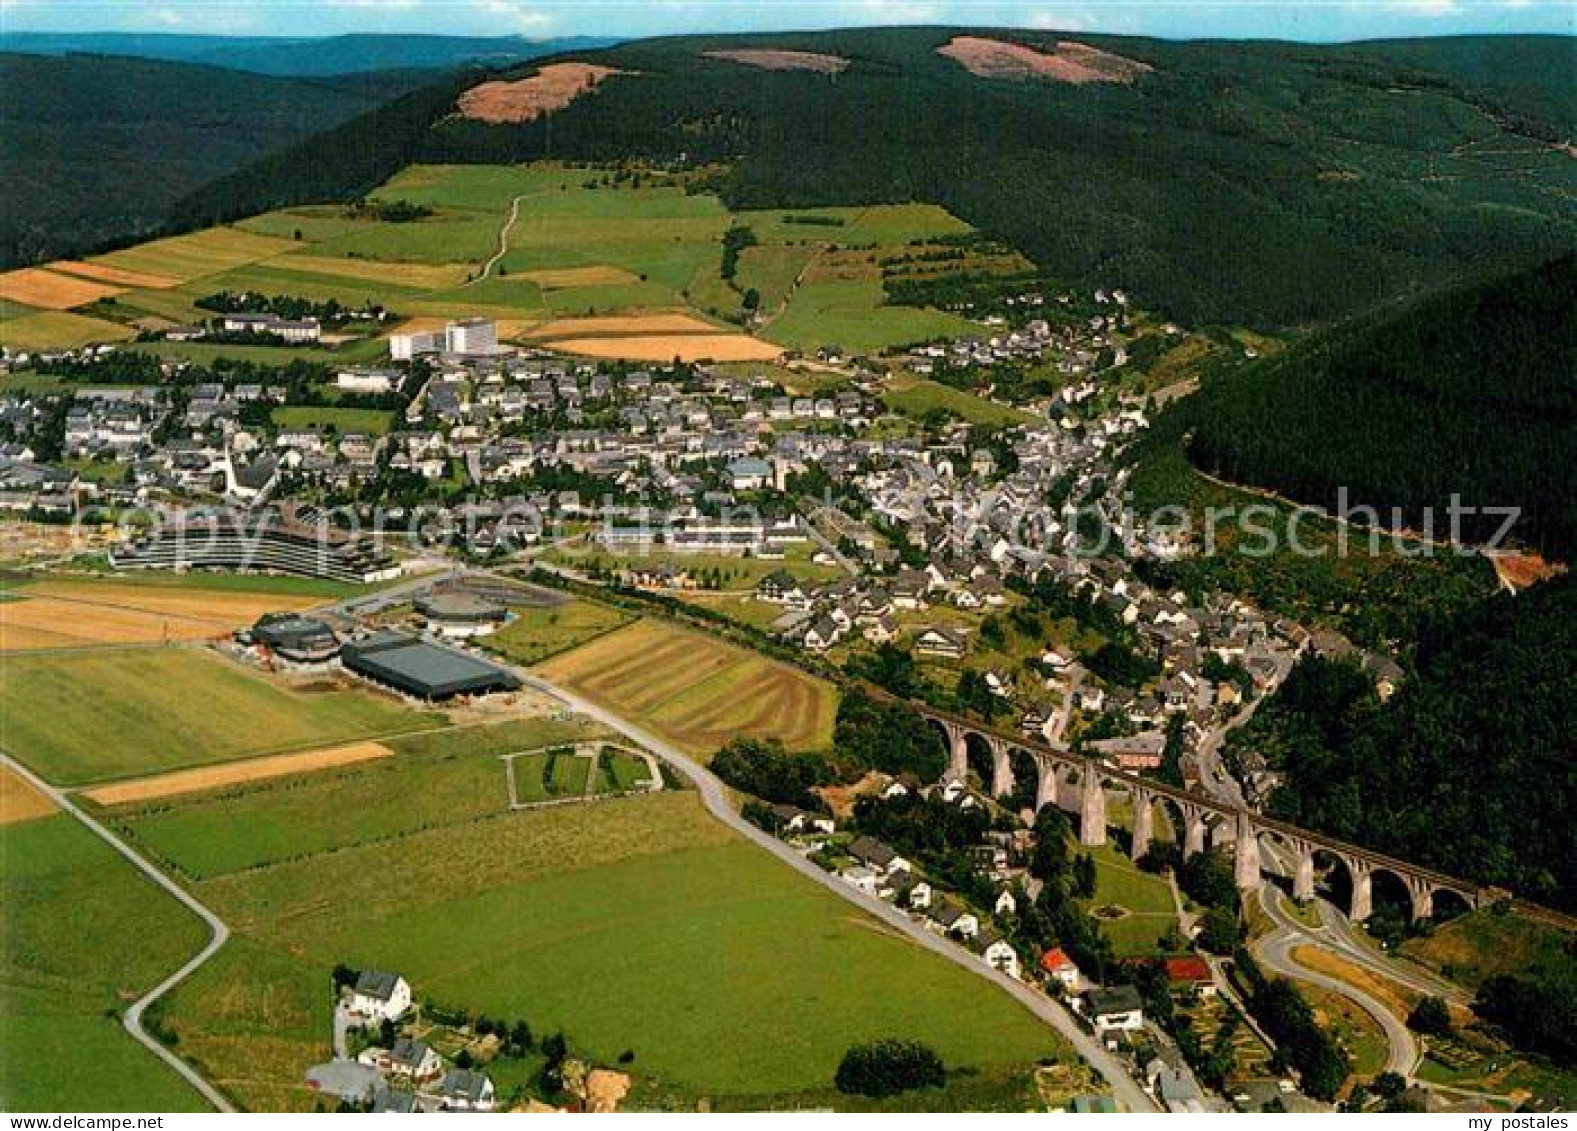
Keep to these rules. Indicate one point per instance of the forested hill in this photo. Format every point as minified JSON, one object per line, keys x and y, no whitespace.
{"x":1471,"y":390}
{"x":1467,"y":768}
{"x":98,"y":148}
{"x":1261,"y":183}
{"x":326,"y":55}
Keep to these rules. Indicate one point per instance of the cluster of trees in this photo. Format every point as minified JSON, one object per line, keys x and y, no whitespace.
{"x":764,"y":769}
{"x":330,"y":313}
{"x":891,"y":737}
{"x":888,"y":1067}
{"x":1287,"y":1016}
{"x":388,"y":211}
{"x":735,"y":240}
{"x":1466,"y":768}
{"x":1536,"y":1008}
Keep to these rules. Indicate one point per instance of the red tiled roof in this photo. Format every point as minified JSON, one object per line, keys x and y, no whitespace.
{"x":1054,"y":960}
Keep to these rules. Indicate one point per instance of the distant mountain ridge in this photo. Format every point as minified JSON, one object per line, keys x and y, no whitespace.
{"x":98,"y":148}
{"x":1266,"y":184}
{"x":305,"y":56}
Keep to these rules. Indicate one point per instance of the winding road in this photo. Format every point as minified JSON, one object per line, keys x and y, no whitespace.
{"x":715,"y":798}
{"x":503,"y":239}
{"x":220,"y":933}
{"x":1275,"y":952}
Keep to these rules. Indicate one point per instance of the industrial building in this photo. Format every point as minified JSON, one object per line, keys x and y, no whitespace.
{"x":423,"y":669}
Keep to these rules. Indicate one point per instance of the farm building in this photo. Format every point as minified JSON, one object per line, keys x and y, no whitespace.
{"x":423,"y":669}
{"x":302,"y":640}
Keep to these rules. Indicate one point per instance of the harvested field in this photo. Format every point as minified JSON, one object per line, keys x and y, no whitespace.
{"x":552,"y":88}
{"x":19,"y":801}
{"x":666,"y":347}
{"x":237,"y":773}
{"x":60,"y":329}
{"x":1068,"y":62}
{"x":116,"y":276}
{"x":42,"y":623}
{"x":697,"y":691}
{"x":665,"y":323}
{"x":428,"y":276}
{"x":561,"y":277}
{"x":771,"y":60}
{"x":34,"y":286}
{"x":72,"y":615}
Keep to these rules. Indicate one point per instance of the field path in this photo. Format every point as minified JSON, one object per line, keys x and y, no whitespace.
{"x":221,"y":934}
{"x":714,"y":796}
{"x":503,"y":239}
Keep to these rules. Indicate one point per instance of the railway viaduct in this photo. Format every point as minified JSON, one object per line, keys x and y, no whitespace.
{"x":1082,"y":785}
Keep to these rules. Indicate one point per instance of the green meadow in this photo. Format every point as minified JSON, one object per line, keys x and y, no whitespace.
{"x":530,"y":914}
{"x":83,"y":935}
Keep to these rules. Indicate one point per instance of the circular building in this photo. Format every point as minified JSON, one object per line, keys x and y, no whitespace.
{"x":458,"y":614}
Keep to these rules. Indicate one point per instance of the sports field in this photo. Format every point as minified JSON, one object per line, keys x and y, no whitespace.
{"x":84,"y":934}
{"x":637,"y":924}
{"x":79,"y":717}
{"x":697,"y":691}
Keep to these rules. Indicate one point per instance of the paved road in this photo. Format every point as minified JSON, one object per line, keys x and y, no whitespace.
{"x":220,"y":933}
{"x":503,"y":240}
{"x":715,"y":798}
{"x":1275,"y":952}
{"x":1343,"y":937}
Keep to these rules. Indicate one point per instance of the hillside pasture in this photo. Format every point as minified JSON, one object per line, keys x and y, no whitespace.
{"x":535,"y":633}
{"x":80,"y":717}
{"x":697,"y":691}
{"x":115,"y":276}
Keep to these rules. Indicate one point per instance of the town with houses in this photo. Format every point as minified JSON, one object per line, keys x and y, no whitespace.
{"x":863,"y":538}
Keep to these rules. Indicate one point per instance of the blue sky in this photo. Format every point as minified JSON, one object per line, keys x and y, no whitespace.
{"x":1319,"y":21}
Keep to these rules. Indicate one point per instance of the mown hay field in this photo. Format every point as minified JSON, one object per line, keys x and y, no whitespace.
{"x":76,"y":614}
{"x":697,"y":691}
{"x":207,"y":778}
{"x":81,"y":717}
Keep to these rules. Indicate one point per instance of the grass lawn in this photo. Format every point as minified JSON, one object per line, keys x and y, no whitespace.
{"x":371,"y":420}
{"x":64,"y":982}
{"x":90,"y":716}
{"x":1146,"y":898}
{"x":716,"y":945}
{"x":698,"y":691}
{"x":536,"y":633}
